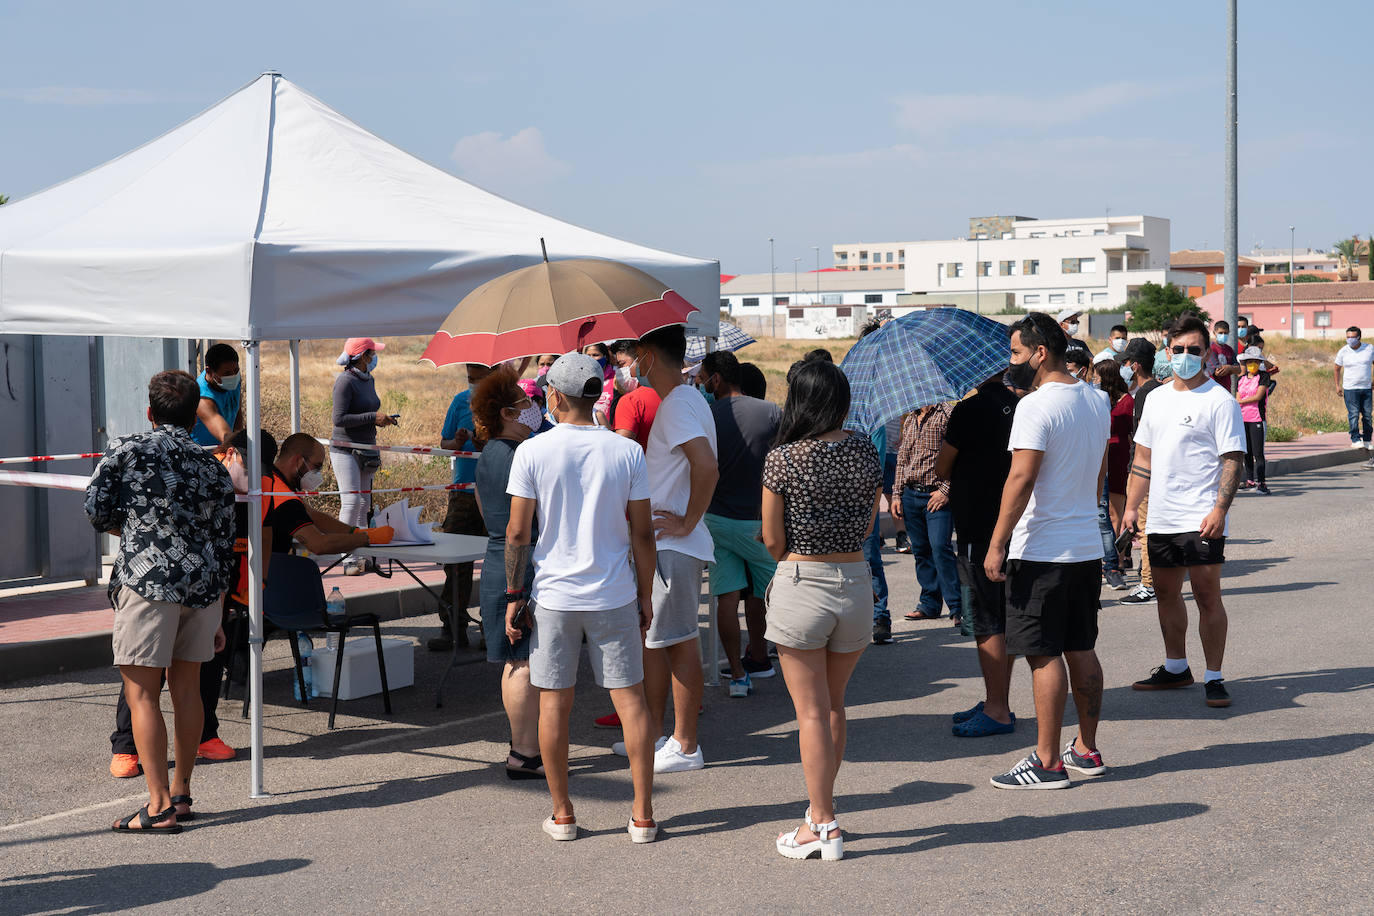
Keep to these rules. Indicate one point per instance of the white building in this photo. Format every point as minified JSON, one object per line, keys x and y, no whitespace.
{"x":826,"y":303}
{"x":1096,"y":263}
{"x":1277,"y":260}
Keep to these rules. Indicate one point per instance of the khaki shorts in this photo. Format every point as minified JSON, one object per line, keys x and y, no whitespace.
{"x":150,"y":634}
{"x":813,"y":605}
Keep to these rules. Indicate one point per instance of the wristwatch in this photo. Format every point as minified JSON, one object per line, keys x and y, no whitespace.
{"x":516,"y":596}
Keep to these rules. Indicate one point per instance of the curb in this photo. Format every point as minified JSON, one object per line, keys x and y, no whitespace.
{"x":40,"y":658}
{"x":1277,"y":467}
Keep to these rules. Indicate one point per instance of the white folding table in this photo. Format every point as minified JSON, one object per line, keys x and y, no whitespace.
{"x":447,"y":548}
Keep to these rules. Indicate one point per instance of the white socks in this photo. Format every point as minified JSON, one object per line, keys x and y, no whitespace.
{"x":1175,"y":665}
{"x":1211,"y":675}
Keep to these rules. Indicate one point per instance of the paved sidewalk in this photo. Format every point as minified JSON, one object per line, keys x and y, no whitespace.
{"x":1259,"y":808}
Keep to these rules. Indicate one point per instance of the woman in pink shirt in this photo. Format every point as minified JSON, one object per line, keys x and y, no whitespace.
{"x":1251,"y":390}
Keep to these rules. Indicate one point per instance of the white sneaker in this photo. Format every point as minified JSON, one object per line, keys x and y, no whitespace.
{"x":619,"y":747}
{"x":741,"y":688}
{"x":670,"y":759}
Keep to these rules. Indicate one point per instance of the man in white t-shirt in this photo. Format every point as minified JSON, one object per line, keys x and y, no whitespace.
{"x":1189,"y":456}
{"x":682,"y":479}
{"x":591,"y":490}
{"x":1047,"y":548}
{"x":1354,"y":382}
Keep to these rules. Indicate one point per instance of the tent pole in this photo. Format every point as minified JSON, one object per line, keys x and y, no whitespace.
{"x":295,"y":386}
{"x":255,"y":627}
{"x":712,"y":621}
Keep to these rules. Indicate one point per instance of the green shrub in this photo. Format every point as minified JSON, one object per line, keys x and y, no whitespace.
{"x":1280,"y":434}
{"x":1320,"y":420}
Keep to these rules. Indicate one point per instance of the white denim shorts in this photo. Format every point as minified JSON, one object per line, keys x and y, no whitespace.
{"x":815,"y":605}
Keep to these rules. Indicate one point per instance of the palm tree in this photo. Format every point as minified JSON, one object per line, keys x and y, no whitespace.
{"x":1347,"y":252}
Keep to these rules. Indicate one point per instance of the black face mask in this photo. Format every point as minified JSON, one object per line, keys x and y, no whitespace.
{"x":1021,"y":375}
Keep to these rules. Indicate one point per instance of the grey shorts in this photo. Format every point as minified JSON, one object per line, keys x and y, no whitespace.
{"x":814,"y":605}
{"x":613,"y":645}
{"x":150,"y":634}
{"x":677,"y":599}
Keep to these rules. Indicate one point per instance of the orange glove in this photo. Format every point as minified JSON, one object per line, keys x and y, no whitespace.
{"x":382,"y":535}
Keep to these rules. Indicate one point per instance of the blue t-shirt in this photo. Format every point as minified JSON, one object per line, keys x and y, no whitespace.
{"x":459,"y":416}
{"x":227,"y":402}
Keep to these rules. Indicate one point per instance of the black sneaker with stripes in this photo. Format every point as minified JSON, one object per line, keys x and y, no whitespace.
{"x":1030,"y":774}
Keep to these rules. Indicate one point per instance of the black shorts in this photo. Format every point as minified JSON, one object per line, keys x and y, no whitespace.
{"x":1174,"y":551}
{"x":983,"y":599}
{"x":1052,"y":607}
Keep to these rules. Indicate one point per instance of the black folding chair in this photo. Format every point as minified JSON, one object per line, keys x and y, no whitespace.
{"x":294,"y":602}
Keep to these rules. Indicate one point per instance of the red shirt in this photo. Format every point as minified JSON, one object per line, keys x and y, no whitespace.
{"x":635,"y":413}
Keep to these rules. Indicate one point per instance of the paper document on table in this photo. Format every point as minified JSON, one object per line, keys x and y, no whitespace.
{"x":405,"y":521}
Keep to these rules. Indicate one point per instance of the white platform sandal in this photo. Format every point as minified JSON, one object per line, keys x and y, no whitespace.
{"x":828,"y":845}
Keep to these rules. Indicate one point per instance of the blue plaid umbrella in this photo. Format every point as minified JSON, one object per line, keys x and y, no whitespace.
{"x":923,"y":358}
{"x":731,"y":338}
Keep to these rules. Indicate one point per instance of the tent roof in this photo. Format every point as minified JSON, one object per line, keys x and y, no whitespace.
{"x":270,"y":216}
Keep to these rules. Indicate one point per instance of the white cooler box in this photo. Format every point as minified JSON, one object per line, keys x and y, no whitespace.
{"x":360,"y":677}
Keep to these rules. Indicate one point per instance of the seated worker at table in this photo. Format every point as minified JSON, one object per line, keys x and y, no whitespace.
{"x":296,"y":470}
{"x":217,"y":413}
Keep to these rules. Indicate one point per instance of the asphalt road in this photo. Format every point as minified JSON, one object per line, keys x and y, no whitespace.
{"x":1263,"y":807}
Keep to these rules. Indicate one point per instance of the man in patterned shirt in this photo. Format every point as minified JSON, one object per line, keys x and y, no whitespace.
{"x":921,"y":500}
{"x":171,"y":504}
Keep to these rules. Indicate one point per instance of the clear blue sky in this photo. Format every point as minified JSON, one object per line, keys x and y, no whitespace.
{"x":706,"y":127}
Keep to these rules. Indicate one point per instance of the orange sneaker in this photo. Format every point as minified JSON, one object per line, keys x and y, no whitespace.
{"x":124,"y":766}
{"x":215,"y":749}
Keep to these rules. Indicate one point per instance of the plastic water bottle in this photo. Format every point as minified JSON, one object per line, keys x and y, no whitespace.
{"x":336,"y":609}
{"x":307,"y":649}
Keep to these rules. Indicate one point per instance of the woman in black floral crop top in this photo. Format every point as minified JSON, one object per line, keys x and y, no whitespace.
{"x":821,"y":486}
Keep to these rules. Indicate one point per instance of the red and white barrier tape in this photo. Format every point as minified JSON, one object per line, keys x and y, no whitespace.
{"x":35,"y":459}
{"x":405,"y":449}
{"x":78,"y":482}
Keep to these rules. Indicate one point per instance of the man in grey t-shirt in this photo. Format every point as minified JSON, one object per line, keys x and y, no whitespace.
{"x":745,"y":430}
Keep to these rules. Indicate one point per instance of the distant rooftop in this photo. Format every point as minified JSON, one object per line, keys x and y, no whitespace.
{"x":830,"y":281}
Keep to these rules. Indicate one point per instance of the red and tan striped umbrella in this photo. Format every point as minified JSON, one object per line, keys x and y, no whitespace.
{"x":554,"y":307}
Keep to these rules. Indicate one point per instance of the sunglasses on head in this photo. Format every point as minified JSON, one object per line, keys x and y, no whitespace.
{"x":1191,"y":351}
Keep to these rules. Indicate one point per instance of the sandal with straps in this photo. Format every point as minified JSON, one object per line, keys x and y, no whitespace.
{"x":188,"y":814}
{"x":828,"y":845}
{"x":145,"y":822}
{"x":529,"y":766}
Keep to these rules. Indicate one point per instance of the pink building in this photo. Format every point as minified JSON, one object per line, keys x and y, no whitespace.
{"x":1320,"y":309}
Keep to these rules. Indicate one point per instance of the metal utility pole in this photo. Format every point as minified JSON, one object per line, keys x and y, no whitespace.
{"x":1292,"y":327}
{"x":977,"y":276}
{"x":772,"y":287}
{"x":796,"y":283}
{"x":1232,"y":272}
{"x":817,"y":249}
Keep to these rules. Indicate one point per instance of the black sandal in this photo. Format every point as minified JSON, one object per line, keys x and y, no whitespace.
{"x":529,"y":766}
{"x":184,"y":800}
{"x":145,"y":822}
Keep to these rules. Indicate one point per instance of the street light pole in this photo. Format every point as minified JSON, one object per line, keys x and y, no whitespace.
{"x":1232,"y":271}
{"x":977,"y":276}
{"x":796,"y":284}
{"x":773,"y":287}
{"x":1292,"y":328}
{"x":817,"y":249}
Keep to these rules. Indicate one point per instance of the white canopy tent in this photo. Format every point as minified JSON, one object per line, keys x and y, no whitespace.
{"x":270,"y":216}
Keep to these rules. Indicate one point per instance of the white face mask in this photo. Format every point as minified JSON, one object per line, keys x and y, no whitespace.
{"x":230,"y":382}
{"x":1118,"y":344}
{"x":625,"y":379}
{"x":312,"y":480}
{"x":532,"y":418}
{"x":1072,"y":328}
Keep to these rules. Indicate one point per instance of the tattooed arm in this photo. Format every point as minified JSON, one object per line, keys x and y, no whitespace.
{"x":1137,"y":487}
{"x":1232,"y":465}
{"x":519,"y":532}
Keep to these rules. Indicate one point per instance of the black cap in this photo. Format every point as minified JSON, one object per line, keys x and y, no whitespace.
{"x":1139,"y":350}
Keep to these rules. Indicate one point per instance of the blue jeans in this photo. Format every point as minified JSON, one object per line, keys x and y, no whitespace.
{"x":1104,"y":526}
{"x":932,"y":547}
{"x":873,"y":553}
{"x":1358,"y":404}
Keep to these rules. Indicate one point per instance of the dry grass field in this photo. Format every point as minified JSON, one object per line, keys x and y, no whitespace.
{"x":1305,"y":402}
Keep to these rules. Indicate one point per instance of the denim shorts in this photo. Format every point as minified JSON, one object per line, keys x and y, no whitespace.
{"x":817,"y":605}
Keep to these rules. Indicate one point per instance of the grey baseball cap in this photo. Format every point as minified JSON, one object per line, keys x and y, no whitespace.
{"x":576,"y":375}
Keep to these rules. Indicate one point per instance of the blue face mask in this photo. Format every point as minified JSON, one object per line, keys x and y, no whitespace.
{"x":372,"y":365}
{"x":1223,"y":338}
{"x":640,"y":375}
{"x":1127,"y":374}
{"x":1241,"y":332}
{"x":1185,"y":365}
{"x":710,"y":398}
